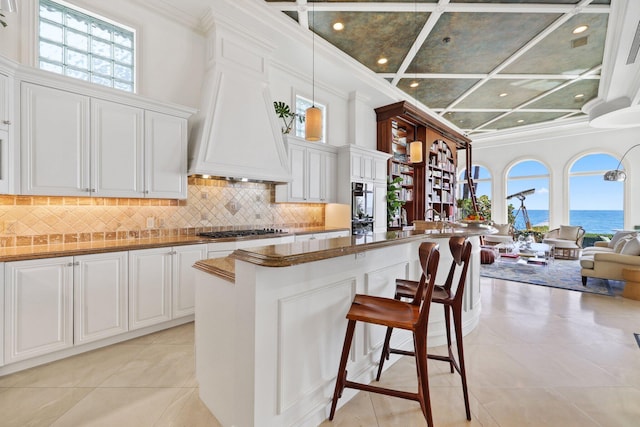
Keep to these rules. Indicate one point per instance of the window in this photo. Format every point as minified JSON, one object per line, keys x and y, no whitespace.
{"x":85,"y":47}
{"x":302,"y":104}
{"x":482,"y":188}
{"x":525,"y":176}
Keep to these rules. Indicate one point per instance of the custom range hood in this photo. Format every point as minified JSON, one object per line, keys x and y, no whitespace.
{"x":236,"y":135}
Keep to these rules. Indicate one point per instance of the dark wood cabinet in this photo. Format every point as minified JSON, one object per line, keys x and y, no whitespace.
{"x":429,"y":185}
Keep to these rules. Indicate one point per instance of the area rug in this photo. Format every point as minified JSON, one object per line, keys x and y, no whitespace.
{"x":564,"y":274}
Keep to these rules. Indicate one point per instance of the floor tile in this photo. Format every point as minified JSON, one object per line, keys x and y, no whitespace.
{"x":22,"y":407}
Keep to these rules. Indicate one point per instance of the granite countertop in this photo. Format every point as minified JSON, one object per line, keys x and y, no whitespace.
{"x":21,"y":253}
{"x":289,"y":254}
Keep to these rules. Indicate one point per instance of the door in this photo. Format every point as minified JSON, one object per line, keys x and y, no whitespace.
{"x":100,"y":284}
{"x":297,"y":162}
{"x":55,"y":142}
{"x":149,"y":287}
{"x":184,"y":278}
{"x":315,"y":175}
{"x":117,"y":142}
{"x":39,"y":301}
{"x":330,"y":181}
{"x":165,"y":156}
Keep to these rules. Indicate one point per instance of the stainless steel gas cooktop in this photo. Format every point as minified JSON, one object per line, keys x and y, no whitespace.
{"x":240,"y":233}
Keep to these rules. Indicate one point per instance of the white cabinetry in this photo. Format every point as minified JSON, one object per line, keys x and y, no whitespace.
{"x":79,"y":145}
{"x":161,"y":284}
{"x":5,"y":87}
{"x":314,"y":173}
{"x":184,"y":278}
{"x":322,"y":235}
{"x":55,"y":142}
{"x":100,"y":296}
{"x":1,"y":313}
{"x":39,"y":307}
{"x":166,"y":156}
{"x":117,"y":138}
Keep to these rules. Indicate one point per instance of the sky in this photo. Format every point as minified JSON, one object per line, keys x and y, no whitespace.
{"x":590,"y":192}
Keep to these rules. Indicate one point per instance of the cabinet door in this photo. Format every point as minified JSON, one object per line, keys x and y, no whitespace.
{"x":330,"y":178}
{"x":298,"y":185}
{"x":4,"y":102}
{"x":39,"y":301}
{"x":100,"y":286}
{"x":1,"y":313}
{"x":4,"y":162}
{"x":55,"y":142}
{"x":380,"y":207}
{"x":165,"y":156}
{"x":356,"y":167}
{"x":184,"y":278}
{"x":315,"y":175}
{"x":149,"y":287}
{"x":380,"y":170}
{"x":117,"y":142}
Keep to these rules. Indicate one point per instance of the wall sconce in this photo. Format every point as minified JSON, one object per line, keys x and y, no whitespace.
{"x":618,"y":175}
{"x":415,"y":152}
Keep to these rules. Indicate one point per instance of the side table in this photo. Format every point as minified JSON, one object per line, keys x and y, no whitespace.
{"x":632,"y":286}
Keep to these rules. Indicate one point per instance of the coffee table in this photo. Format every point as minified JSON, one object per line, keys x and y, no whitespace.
{"x":530,"y":254}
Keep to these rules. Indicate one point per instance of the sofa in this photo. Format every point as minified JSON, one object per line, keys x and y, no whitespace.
{"x":607,"y":259}
{"x":567,"y":241}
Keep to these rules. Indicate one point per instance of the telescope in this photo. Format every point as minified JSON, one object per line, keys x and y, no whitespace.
{"x":521,"y":195}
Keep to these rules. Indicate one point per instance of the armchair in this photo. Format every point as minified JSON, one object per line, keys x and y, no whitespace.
{"x":504,"y":235}
{"x":567,"y":241}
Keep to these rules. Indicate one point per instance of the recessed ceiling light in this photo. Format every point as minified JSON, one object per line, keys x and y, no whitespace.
{"x":338,"y":26}
{"x":382,"y":61}
{"x":414,"y":84}
{"x":520,"y":121}
{"x":580,"y":95}
{"x":503,"y":94}
{"x":580,"y":29}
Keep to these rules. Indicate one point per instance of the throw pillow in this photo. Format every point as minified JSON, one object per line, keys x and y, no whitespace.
{"x":569,"y":232}
{"x":621,"y":242}
{"x":632,"y":247}
{"x":619,"y":235}
{"x":503,"y":229}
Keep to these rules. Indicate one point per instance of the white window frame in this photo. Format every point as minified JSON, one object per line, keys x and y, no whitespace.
{"x":35,"y":5}
{"x":298,"y":128}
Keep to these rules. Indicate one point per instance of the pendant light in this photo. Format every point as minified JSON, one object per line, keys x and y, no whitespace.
{"x":313,"y":115}
{"x":415,"y":147}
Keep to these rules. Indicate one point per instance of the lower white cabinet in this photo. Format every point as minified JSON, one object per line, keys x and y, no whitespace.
{"x":100,"y":286}
{"x":1,"y":312}
{"x":184,"y":302}
{"x":38,"y":307}
{"x":322,"y":235}
{"x":161,"y":284}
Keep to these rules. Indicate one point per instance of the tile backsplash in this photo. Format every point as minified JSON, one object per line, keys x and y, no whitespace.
{"x":211,"y":205}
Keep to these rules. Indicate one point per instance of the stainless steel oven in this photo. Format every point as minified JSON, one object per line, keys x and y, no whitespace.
{"x":361,"y":208}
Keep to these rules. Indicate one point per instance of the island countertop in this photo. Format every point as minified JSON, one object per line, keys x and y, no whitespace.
{"x":288,"y":254}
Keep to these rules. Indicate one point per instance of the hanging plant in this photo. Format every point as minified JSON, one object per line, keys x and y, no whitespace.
{"x":284,"y":112}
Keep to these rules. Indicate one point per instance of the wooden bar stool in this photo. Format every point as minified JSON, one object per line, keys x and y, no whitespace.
{"x":443,"y":294}
{"x":393,"y":313}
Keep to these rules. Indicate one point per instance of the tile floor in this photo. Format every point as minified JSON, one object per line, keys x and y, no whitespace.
{"x":540,"y":357}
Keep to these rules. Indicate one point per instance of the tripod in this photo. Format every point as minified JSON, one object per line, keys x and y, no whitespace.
{"x":525,"y":214}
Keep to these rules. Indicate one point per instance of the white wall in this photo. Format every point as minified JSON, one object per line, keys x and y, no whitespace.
{"x":558,"y":150}
{"x":170,"y":62}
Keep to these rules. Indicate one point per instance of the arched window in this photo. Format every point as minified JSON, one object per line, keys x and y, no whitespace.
{"x":528,"y":193}
{"x":595,"y":204}
{"x":482,"y":188}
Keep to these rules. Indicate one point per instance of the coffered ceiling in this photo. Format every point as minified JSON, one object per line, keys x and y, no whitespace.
{"x":484,"y":65}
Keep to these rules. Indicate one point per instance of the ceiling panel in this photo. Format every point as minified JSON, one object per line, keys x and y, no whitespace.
{"x":437,"y":93}
{"x":476,"y":42}
{"x":570,"y":97}
{"x":519,"y":118}
{"x":470,"y":120}
{"x":514,"y":92}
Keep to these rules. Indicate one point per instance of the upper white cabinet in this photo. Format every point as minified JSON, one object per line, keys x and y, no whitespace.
{"x":314,"y":173}
{"x":5,"y":87}
{"x":38,"y":307}
{"x":100,"y":284}
{"x":117,"y":148}
{"x":166,"y":156}
{"x":55,"y":142}
{"x":363,"y":165}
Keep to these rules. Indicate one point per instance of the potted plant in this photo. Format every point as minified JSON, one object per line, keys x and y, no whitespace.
{"x":284,"y":112}
{"x":393,"y":201}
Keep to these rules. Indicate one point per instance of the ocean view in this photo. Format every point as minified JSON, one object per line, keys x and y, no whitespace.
{"x":592,"y":221}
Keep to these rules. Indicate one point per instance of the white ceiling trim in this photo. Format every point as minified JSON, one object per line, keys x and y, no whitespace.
{"x":482,"y":76}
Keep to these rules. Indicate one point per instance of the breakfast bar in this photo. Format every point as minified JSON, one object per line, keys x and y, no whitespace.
{"x":270,"y":321}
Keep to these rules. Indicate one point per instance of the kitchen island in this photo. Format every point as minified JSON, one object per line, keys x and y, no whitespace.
{"x":270,"y":321}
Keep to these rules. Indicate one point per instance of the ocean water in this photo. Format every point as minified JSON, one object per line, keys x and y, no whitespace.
{"x":591,"y":221}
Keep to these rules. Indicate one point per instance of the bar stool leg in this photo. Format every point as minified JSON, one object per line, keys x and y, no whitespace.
{"x":457,"y":320}
{"x":342,"y":370}
{"x":385,"y":352}
{"x":420,"y":348}
{"x":447,"y":321}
